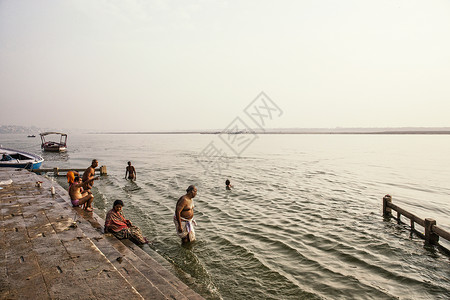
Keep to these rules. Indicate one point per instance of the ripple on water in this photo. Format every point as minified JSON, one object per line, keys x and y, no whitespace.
{"x":302,"y":223}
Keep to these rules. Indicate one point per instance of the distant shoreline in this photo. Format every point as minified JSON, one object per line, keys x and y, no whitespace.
{"x":399,"y":132}
{"x":13,"y":129}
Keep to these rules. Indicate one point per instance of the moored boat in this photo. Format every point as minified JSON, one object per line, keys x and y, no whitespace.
{"x":11,"y":158}
{"x":51,"y":146}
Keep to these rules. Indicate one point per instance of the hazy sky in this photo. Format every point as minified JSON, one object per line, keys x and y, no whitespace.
{"x":168,"y":65}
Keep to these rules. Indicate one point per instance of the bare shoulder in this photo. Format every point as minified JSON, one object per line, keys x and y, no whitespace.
{"x":181,"y":201}
{"x":89,"y":172}
{"x":73,"y":188}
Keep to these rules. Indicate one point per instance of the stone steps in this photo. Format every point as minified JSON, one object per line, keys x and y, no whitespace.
{"x":45,"y":258}
{"x":162,"y":270}
{"x":150,"y":278}
{"x":51,"y":250}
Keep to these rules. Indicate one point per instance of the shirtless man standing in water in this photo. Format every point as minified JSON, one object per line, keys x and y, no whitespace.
{"x":89,"y":173}
{"x":131,"y":171}
{"x":184,"y":215}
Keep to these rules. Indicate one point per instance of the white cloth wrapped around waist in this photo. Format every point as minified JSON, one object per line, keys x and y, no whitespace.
{"x":187,"y":227}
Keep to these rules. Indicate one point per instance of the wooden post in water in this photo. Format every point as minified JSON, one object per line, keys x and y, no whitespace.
{"x":431,"y":238}
{"x":387,"y":210}
{"x":103,"y":170}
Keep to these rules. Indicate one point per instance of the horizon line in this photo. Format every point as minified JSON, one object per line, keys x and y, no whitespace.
{"x":337,"y":130}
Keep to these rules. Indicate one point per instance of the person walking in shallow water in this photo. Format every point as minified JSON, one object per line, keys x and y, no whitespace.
{"x":184,"y":215}
{"x":130,"y":171}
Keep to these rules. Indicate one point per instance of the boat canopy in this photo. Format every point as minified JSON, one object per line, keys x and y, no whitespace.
{"x":53,"y":145}
{"x":51,"y":132}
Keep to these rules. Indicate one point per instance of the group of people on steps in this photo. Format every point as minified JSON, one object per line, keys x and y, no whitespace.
{"x":115,"y":222}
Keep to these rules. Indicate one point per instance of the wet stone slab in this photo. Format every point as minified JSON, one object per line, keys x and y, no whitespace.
{"x":42,"y":256}
{"x":50,"y":250}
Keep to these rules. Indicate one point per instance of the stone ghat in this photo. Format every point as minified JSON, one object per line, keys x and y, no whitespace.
{"x":50,"y":250}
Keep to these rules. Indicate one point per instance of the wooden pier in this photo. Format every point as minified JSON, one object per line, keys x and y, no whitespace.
{"x":432,"y":231}
{"x":63,"y":171}
{"x":51,"y":250}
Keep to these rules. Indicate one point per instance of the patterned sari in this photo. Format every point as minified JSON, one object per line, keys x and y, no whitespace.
{"x":121,"y":228}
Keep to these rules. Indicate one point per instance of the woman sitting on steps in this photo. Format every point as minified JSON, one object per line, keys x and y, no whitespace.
{"x":122,"y":228}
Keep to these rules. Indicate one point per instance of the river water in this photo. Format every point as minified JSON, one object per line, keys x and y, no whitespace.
{"x":303,"y":220}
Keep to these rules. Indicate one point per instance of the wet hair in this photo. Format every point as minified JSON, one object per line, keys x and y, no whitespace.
{"x":227,"y":182}
{"x":77,"y":178}
{"x":190,"y":188}
{"x":94,"y":160}
{"x":129,"y":162}
{"x":118,"y":202}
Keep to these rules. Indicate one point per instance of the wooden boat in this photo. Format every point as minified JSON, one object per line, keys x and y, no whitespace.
{"x":11,"y":158}
{"x":60,"y":146}
{"x":31,"y":135}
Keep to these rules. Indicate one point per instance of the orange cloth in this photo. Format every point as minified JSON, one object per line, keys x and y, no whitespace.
{"x":70,"y":177}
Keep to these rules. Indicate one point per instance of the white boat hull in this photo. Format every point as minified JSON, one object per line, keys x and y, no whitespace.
{"x":19,"y":159}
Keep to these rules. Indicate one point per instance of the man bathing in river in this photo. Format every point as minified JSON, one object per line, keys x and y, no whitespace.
{"x":89,"y":173}
{"x":184,"y":215}
{"x":228,"y":185}
{"x":80,"y":197}
{"x":131,"y":171}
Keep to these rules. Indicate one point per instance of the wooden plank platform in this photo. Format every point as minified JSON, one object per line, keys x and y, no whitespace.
{"x":63,"y":171}
{"x":50,"y":250}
